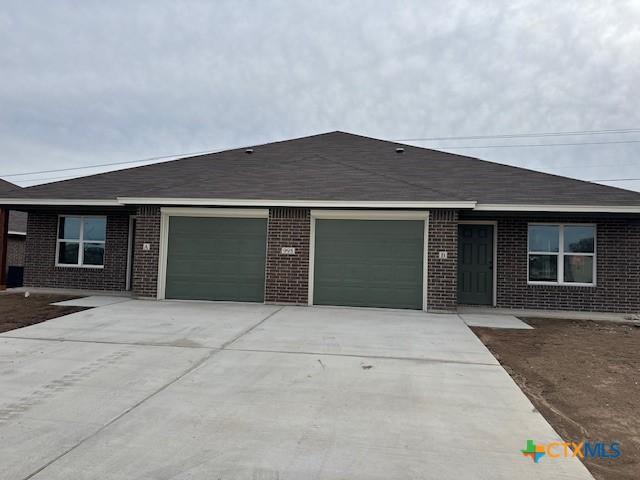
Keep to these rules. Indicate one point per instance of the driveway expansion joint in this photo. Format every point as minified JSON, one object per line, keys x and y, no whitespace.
{"x":251,"y":329}
{"x":106,"y":342}
{"x":355,"y":355}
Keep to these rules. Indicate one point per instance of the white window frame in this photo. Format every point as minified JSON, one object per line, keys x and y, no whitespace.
{"x":560,"y":254}
{"x":80,"y":241}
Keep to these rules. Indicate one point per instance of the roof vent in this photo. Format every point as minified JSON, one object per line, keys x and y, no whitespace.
{"x":399,"y":150}
{"x":249,"y":150}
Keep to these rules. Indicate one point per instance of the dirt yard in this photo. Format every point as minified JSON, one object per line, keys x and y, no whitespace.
{"x":584,"y":377}
{"x":16,"y":311}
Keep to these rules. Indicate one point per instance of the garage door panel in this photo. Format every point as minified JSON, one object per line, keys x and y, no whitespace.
{"x":216,"y":259}
{"x":369,"y":263}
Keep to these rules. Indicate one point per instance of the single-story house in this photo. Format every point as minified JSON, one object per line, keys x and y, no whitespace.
{"x":16,"y":234}
{"x":338,"y":219}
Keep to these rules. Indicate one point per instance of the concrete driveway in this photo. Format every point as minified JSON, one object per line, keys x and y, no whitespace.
{"x":188,"y":390}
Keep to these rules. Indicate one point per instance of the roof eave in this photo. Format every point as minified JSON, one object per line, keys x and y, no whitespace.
{"x":60,"y":201}
{"x":228,"y":202}
{"x":501,"y":207}
{"x":294,"y":203}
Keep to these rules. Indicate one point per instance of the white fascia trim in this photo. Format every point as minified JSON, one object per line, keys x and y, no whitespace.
{"x":224,"y":202}
{"x":215,"y":212}
{"x":60,"y":201}
{"x":557,"y":208}
{"x":13,"y":232}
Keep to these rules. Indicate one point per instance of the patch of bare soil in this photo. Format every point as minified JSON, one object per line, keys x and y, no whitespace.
{"x":584,"y":377}
{"x":16,"y":311}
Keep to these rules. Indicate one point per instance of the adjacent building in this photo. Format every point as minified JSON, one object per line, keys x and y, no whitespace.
{"x":15,"y":241}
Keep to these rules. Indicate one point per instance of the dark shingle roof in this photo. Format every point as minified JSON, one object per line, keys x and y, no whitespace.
{"x":337,"y":166}
{"x":6,"y":187}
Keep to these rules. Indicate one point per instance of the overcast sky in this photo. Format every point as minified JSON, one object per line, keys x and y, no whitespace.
{"x":84,"y":82}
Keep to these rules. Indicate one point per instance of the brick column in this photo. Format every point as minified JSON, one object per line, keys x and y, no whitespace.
{"x":442,"y":288}
{"x":287,"y":276}
{"x":4,"y":234}
{"x":145,"y":262}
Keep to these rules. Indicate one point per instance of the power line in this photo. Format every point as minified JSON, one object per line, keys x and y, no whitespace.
{"x":163,"y":157}
{"x":524,"y":135}
{"x":149,"y":159}
{"x":615,"y":180}
{"x":68,"y":176}
{"x":542,"y":145}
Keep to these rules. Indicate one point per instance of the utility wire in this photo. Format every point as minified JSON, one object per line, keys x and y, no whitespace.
{"x":524,"y":135}
{"x":149,"y":159}
{"x":541,"y":145}
{"x":68,"y":176}
{"x":179,"y":155}
{"x":615,"y":180}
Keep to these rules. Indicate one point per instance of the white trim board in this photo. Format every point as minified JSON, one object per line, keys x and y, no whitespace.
{"x":216,"y":212}
{"x":370,"y":215}
{"x":227,"y":202}
{"x":130,"y":247}
{"x":493,"y":207}
{"x":60,"y":201}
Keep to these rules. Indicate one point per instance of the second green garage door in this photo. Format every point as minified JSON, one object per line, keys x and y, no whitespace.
{"x":216,"y":259}
{"x":369,"y":263}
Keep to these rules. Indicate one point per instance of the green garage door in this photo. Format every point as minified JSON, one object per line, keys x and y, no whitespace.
{"x":216,"y":259}
{"x":368,"y":263}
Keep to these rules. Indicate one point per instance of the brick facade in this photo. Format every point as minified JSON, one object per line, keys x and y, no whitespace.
{"x":145,"y":262}
{"x":287,"y":276}
{"x":617,"y":269}
{"x":618,"y":261}
{"x":39,"y":265}
{"x":442,"y":274}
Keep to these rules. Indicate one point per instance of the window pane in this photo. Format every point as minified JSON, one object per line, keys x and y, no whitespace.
{"x":579,"y":239}
{"x":94,"y":229}
{"x":543,"y":268}
{"x":69,"y":228}
{"x":578,"y":269}
{"x":68,"y":253}
{"x":544,"y":238}
{"x":93,"y":254}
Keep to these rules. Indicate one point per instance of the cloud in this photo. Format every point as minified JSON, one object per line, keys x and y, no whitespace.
{"x":92,"y":82}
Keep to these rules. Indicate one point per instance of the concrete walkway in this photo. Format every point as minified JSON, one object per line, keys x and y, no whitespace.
{"x":188,"y":390}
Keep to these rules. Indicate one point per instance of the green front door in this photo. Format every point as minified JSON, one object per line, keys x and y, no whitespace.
{"x":216,"y":259}
{"x":369,"y":263}
{"x":475,"y":264}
